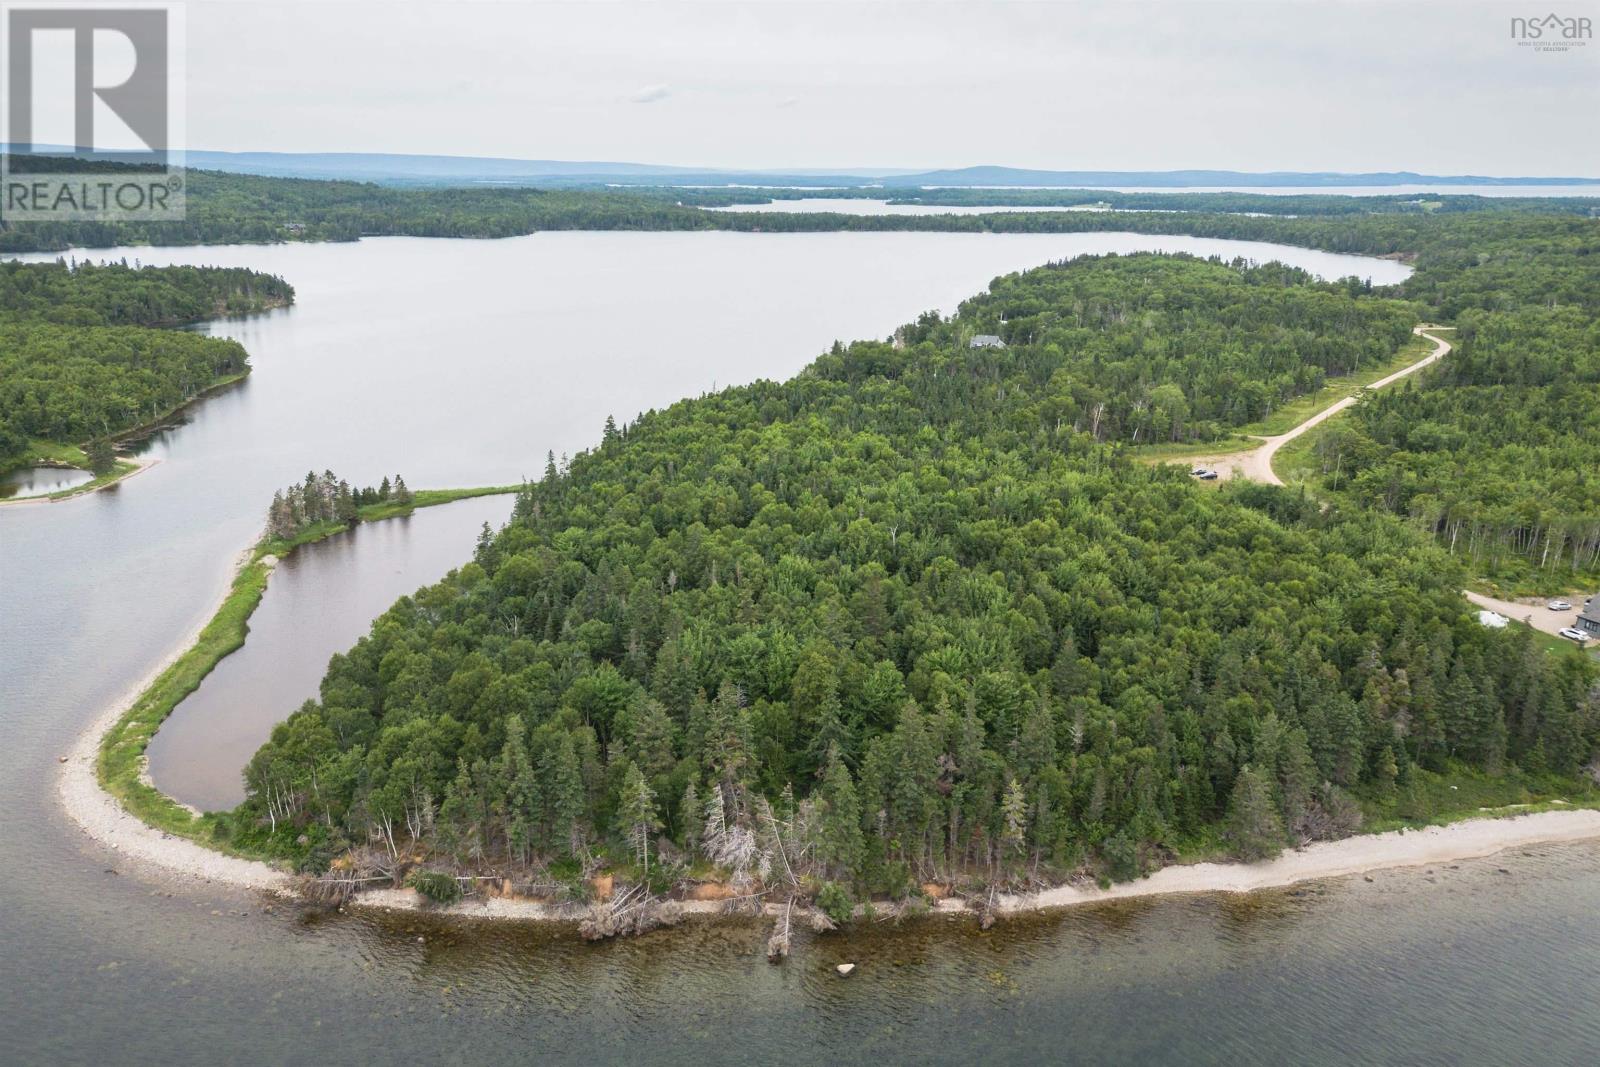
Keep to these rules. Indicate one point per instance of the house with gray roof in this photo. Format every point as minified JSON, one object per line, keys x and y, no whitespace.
{"x":1589,"y":617}
{"x":986,"y":340}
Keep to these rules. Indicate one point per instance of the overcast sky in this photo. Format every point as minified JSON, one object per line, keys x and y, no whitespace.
{"x":1286,"y":85}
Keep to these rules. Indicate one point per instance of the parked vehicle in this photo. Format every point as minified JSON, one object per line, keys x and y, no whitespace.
{"x":1572,"y":634}
{"x":1559,"y":605}
{"x":1205,"y":474}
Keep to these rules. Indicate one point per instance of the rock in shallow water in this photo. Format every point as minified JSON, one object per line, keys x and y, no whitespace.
{"x":844,"y":969}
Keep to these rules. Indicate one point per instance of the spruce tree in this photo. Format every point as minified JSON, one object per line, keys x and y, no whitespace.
{"x":102,"y":457}
{"x":1254,"y":828}
{"x":838,"y":840}
{"x":637,"y":810}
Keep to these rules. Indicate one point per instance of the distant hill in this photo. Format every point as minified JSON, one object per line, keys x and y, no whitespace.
{"x":404,"y":169}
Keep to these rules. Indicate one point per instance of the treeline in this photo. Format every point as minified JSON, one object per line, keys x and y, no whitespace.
{"x":116,"y":294}
{"x":231,"y":208}
{"x":893,"y":621}
{"x":240,"y":208}
{"x":79,"y":359}
{"x":1150,"y":348}
{"x":1296,"y":204}
{"x":1493,"y":450}
{"x":327,"y":498}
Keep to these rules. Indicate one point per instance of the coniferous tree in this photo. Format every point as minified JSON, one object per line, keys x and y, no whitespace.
{"x":1253,"y":825}
{"x":838,"y":843}
{"x":102,"y":457}
{"x":638,"y":813}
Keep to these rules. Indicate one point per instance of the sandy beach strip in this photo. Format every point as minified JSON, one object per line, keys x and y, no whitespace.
{"x":102,"y":818}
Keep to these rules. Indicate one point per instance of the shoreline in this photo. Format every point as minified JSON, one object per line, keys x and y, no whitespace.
{"x":140,"y":465}
{"x":85,"y":783}
{"x":102,"y":818}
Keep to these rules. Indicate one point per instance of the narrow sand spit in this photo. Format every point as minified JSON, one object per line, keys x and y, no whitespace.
{"x":140,"y":463}
{"x":103,"y":818}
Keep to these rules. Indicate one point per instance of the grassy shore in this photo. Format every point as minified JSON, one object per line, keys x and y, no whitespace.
{"x":120,"y":765}
{"x":42,"y":452}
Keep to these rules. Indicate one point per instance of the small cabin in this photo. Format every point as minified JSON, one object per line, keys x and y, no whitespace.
{"x":986,"y":340}
{"x":1589,"y":617}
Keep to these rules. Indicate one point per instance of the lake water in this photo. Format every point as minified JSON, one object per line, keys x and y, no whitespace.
{"x":460,"y":362}
{"x":37,"y":481}
{"x":320,"y":600}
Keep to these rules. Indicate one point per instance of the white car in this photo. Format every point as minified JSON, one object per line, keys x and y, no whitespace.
{"x":1572,"y":634}
{"x":1559,"y":605}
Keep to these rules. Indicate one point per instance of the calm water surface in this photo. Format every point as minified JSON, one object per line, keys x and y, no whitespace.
{"x":455,"y":363}
{"x":37,"y":481}
{"x":321,"y":600}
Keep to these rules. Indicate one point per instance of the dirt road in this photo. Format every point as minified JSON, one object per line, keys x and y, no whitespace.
{"x":1532,"y":612}
{"x":1256,"y":463}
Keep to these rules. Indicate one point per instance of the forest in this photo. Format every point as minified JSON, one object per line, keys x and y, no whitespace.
{"x":1154,"y":348}
{"x":902,"y":618}
{"x":84,"y":353}
{"x":1497,"y":452}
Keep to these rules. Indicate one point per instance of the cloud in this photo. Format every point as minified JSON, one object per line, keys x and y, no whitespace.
{"x":789,"y":101}
{"x":650,"y":94}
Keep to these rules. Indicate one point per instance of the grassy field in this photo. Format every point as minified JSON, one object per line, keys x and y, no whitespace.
{"x":1183,"y":449}
{"x":42,"y":453}
{"x":1296,"y":462}
{"x":122,"y":751}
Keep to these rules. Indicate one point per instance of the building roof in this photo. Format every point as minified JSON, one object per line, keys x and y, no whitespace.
{"x":987,"y":340}
{"x":1592,"y":612}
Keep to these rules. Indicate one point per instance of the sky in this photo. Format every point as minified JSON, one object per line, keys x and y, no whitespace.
{"x":1436,"y":87}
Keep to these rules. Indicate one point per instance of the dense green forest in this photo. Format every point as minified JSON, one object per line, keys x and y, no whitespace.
{"x":1497,"y":452}
{"x":81,"y":356}
{"x":1171,"y":348}
{"x":897,"y":619}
